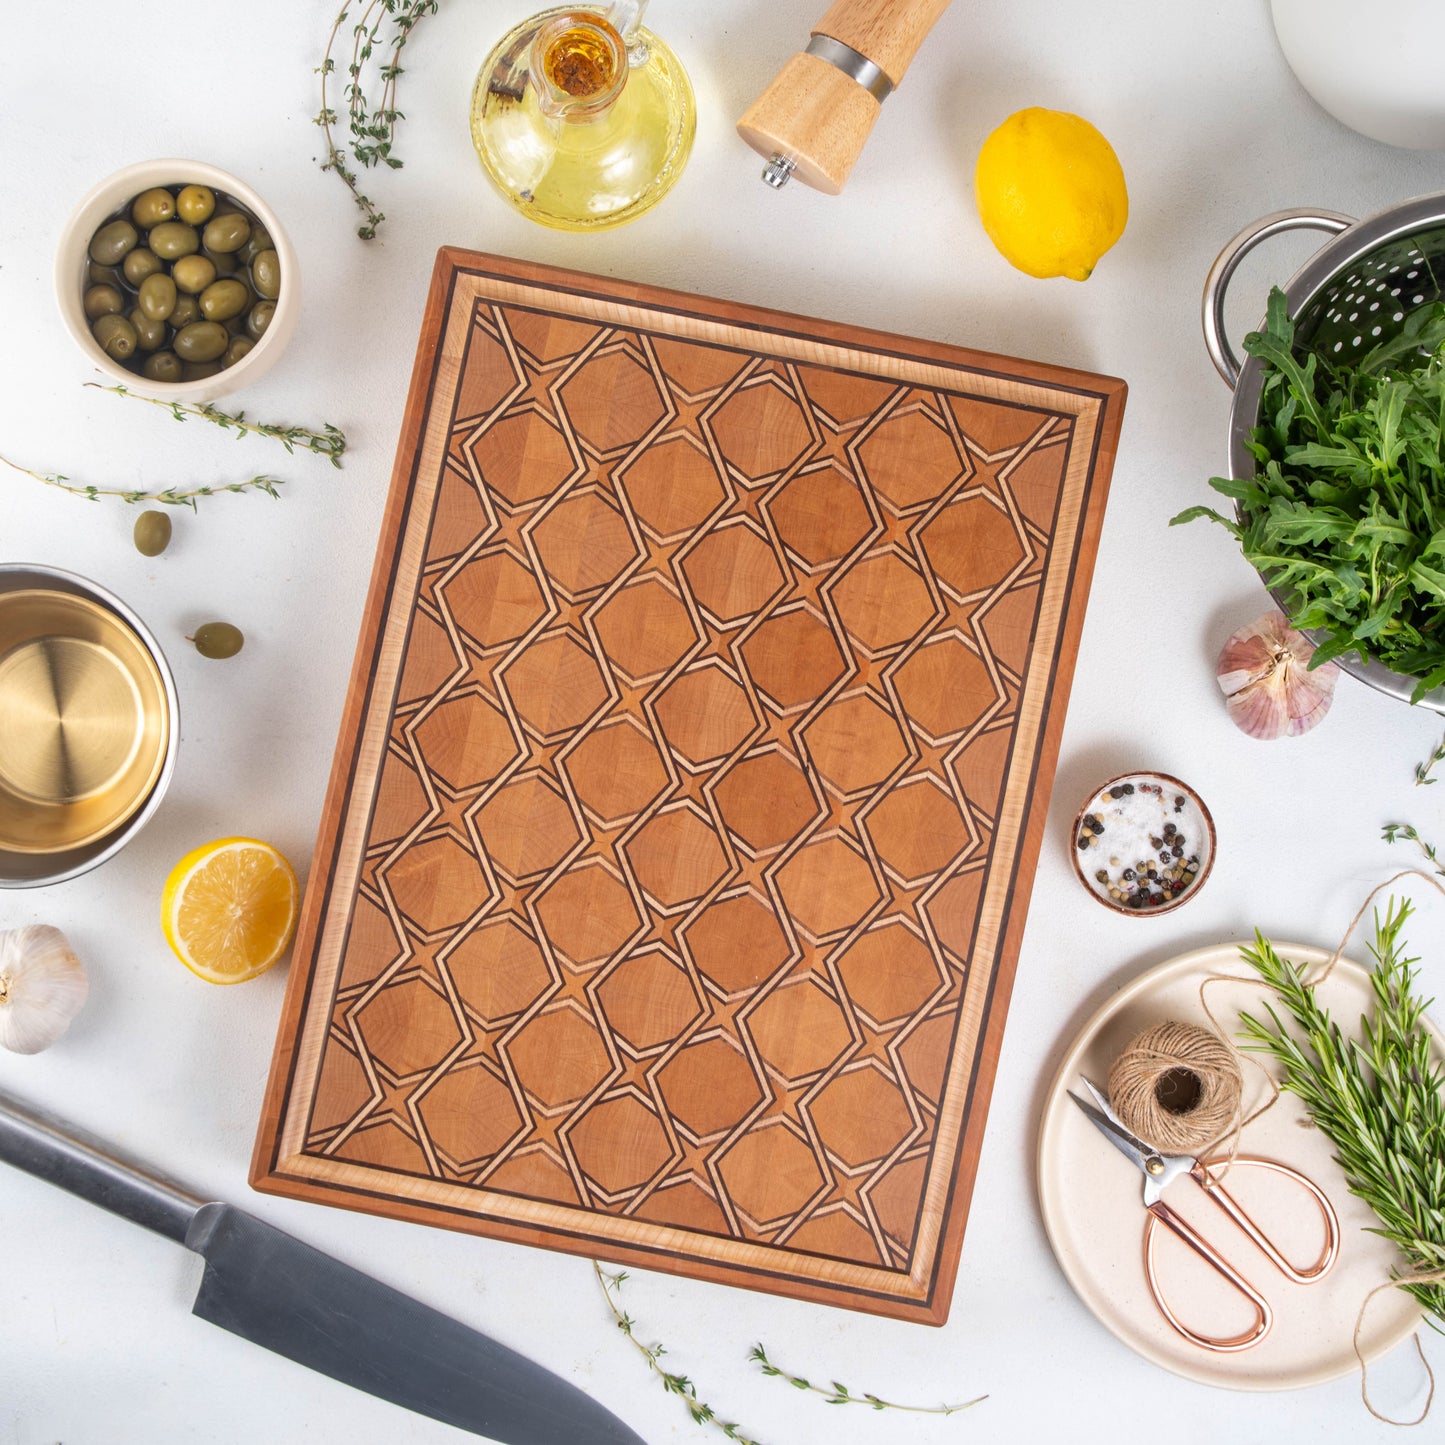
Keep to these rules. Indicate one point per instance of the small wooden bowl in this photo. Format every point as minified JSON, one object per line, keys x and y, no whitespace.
{"x":1129,"y":817}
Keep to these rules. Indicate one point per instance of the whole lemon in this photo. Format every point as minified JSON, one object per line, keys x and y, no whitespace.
{"x":1050,"y":193}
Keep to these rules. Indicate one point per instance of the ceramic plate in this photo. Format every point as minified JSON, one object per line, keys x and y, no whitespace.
{"x":1090,"y":1198}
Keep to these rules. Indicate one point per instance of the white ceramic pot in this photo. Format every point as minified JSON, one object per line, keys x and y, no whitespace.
{"x":110,"y":196}
{"x":1374,"y":66}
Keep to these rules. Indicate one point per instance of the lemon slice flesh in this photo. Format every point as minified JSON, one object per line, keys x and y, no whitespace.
{"x":228,"y":909}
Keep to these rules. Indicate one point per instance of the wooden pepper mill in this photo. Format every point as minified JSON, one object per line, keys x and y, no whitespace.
{"x":813,"y":120}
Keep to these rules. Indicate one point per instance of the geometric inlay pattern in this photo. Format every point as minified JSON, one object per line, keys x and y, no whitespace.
{"x":676,"y":861}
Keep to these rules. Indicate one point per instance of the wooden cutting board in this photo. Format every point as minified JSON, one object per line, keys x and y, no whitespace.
{"x":690,"y":786}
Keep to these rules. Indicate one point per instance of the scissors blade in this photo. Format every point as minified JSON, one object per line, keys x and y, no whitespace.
{"x":1102,"y":1117}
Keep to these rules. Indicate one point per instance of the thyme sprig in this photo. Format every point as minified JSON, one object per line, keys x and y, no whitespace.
{"x":329,"y":442}
{"x":1380,"y":1099}
{"x":1394,"y":832}
{"x":1422,"y":770}
{"x":837,"y":1393}
{"x":371,"y":127}
{"x":169,"y":496}
{"x":701,"y":1412}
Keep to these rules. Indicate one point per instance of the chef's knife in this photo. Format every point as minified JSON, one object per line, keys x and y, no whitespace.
{"x":271,"y":1289}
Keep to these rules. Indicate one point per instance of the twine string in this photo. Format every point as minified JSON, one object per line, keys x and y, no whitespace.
{"x":1176,"y":1054}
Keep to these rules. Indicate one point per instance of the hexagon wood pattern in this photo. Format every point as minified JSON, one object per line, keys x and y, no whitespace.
{"x":690,"y":787}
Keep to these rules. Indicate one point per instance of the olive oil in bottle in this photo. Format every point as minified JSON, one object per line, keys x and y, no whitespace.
{"x":582,"y":118}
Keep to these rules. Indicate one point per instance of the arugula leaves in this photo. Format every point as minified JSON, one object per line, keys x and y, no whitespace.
{"x":1346,"y":513}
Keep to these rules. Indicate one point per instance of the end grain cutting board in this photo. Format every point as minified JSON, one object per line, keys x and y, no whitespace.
{"x":690,"y":786}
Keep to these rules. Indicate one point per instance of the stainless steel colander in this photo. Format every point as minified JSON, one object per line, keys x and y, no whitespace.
{"x":1353,"y":293}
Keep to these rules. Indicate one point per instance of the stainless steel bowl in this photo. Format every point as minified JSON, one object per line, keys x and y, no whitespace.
{"x":34,"y":869}
{"x":1353,"y":293}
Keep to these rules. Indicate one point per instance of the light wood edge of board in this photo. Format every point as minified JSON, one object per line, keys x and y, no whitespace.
{"x":888,"y":32}
{"x":816,"y":117}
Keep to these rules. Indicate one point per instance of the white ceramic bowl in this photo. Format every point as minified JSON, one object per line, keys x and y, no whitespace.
{"x":71,"y":259}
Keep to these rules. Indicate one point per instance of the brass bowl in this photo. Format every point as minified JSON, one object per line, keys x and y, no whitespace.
{"x":88,"y":722}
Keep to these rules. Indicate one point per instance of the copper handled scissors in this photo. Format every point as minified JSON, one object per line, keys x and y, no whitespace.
{"x":1160,"y":1171}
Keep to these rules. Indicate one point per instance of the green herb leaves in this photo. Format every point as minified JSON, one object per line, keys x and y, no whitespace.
{"x":1380,"y":1099}
{"x":1346,"y":514}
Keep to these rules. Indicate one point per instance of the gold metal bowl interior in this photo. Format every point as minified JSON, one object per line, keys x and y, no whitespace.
{"x":84,"y":721}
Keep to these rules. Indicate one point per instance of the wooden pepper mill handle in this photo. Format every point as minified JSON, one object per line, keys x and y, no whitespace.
{"x":813,"y":120}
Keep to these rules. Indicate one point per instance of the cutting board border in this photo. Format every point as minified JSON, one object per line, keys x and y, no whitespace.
{"x":1101,"y":399}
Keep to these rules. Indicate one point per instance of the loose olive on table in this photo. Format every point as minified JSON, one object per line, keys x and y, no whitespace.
{"x":180,"y":283}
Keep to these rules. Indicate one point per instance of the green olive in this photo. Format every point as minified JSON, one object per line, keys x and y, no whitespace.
{"x":260,"y":241}
{"x":115,"y":336}
{"x":174,"y":239}
{"x":201,"y":341}
{"x":152,"y":533}
{"x":193,"y":274}
{"x":188,"y":309}
{"x":103,"y":301}
{"x":227,"y":233}
{"x":201,"y":370}
{"x":218,"y":639}
{"x":150,"y":334}
{"x":240,"y":346}
{"x":152,"y":207}
{"x":222,"y":300}
{"x":112,"y":241}
{"x":196,"y":204}
{"x":161,"y":366}
{"x":225,"y":263}
{"x":259,"y":319}
{"x":266,"y":274}
{"x":139,"y":264}
{"x":158,"y":296}
{"x":103,"y":275}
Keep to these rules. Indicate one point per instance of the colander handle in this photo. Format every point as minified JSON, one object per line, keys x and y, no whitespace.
{"x":1216,"y":284}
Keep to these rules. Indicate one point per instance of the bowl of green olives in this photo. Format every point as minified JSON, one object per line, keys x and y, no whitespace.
{"x":176,"y":279}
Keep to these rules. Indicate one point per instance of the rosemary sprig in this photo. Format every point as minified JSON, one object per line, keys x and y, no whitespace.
{"x":1394,"y":832}
{"x":838,"y":1393}
{"x":329,"y":442}
{"x":371,"y":128}
{"x":680,"y":1385}
{"x":170,"y":496}
{"x":1380,"y":1099}
{"x":1422,"y":770}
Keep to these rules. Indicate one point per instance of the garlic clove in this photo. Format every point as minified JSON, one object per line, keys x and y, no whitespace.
{"x":1270,"y":692}
{"x":42,"y":987}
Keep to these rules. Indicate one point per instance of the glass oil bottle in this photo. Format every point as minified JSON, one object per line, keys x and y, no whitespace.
{"x":582,"y":118}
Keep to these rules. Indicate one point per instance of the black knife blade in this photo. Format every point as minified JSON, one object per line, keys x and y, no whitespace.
{"x":275,"y":1291}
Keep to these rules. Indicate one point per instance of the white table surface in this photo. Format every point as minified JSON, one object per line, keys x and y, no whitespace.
{"x":97,"y":1345}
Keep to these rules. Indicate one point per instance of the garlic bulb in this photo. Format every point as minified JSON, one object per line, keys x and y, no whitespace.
{"x":1263,"y":671}
{"x":42,"y":987}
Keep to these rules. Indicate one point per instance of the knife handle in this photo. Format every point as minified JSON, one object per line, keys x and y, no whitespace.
{"x":87,"y":1169}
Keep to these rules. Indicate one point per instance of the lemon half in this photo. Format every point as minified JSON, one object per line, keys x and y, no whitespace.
{"x":1050,"y":193}
{"x":228,"y":909}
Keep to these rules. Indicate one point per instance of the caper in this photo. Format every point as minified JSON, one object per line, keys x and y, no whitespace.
{"x":240,"y":346}
{"x":195,"y":204}
{"x":188,"y":309}
{"x":225,"y":264}
{"x":193,"y":274}
{"x":152,"y":533}
{"x":139,"y":264}
{"x":201,"y":370}
{"x":201,"y":341}
{"x":174,"y":239}
{"x":259,"y":319}
{"x":150,"y":334}
{"x":152,"y":207}
{"x":103,"y":301}
{"x":103,"y":275}
{"x":158,"y":296}
{"x":227,"y":233}
{"x":161,"y":366}
{"x":266,"y":274}
{"x":218,"y":639}
{"x":112,"y":241}
{"x":222,"y":300}
{"x":115,"y":336}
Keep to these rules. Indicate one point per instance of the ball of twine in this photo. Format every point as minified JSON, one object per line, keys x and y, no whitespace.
{"x":1177,"y":1086}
